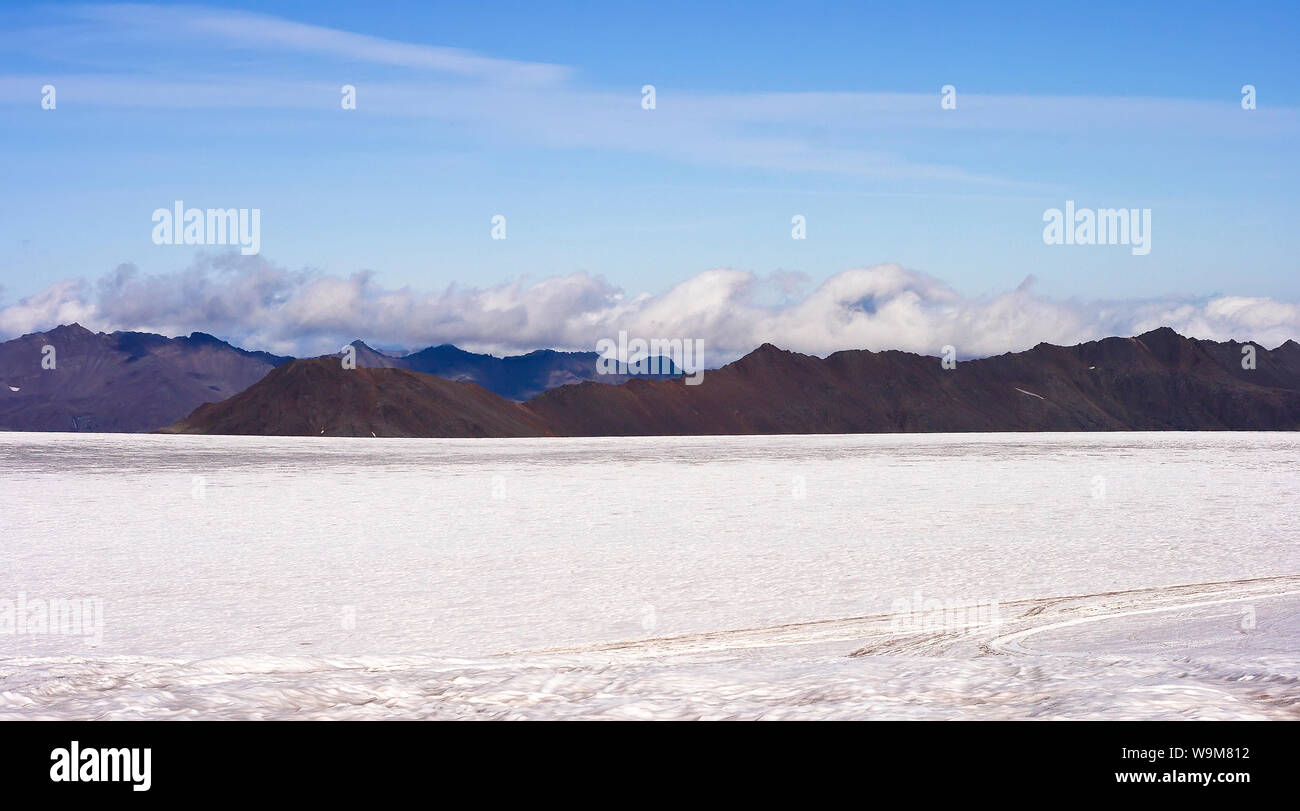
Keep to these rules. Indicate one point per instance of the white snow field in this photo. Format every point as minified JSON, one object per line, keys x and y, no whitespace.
{"x":1116,"y":575}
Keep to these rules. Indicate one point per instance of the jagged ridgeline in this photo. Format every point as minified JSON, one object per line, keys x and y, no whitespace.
{"x":72,"y":379}
{"x":1156,"y":381}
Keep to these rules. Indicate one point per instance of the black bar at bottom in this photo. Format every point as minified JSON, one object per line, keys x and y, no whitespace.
{"x":359,"y":760}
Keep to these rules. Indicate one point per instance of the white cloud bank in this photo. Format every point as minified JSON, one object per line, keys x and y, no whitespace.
{"x":256,"y":304}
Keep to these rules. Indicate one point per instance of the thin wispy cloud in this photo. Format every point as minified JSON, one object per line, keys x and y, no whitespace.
{"x":245,"y":29}
{"x":535,"y":104}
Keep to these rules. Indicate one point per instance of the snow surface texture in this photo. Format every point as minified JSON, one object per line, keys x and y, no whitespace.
{"x":1114,"y":575}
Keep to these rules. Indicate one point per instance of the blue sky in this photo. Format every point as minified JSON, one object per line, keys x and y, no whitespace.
{"x":763,"y":111}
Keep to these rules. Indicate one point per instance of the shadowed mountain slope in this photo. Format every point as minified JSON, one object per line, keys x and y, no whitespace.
{"x":121,"y":381}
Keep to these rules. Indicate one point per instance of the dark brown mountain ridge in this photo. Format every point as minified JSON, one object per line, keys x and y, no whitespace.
{"x":1159,"y":380}
{"x":317,"y":396}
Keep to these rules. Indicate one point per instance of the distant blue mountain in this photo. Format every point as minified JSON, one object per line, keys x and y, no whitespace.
{"x":515,"y":377}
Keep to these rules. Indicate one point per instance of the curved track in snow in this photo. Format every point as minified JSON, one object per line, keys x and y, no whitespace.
{"x":1018,"y":620}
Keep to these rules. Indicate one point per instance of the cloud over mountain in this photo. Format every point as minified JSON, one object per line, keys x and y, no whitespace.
{"x":255,"y":303}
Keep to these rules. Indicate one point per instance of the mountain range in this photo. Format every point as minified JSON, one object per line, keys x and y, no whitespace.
{"x":1159,"y":380}
{"x":72,"y":379}
{"x":138,"y":381}
{"x":120,"y":381}
{"x":514,"y":377}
